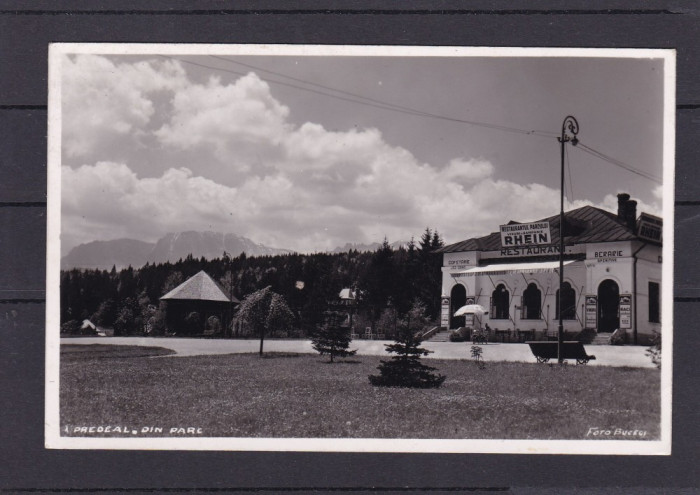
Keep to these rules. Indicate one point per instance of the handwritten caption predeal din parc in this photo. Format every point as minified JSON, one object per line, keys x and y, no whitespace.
{"x":128,"y":430}
{"x":593,"y":431}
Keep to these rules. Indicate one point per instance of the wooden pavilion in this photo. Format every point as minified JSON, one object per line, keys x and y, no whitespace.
{"x":190,"y":306}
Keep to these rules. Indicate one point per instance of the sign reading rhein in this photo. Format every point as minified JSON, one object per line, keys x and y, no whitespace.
{"x":525,"y":234}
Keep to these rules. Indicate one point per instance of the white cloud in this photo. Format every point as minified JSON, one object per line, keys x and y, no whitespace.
{"x":299,"y":187}
{"x":108,"y":200}
{"x":467,"y":171}
{"x":103,"y":100}
{"x":240,"y":121}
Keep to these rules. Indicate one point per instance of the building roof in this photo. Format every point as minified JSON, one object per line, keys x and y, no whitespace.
{"x":88,"y":324}
{"x":582,"y":225}
{"x":347,"y":294}
{"x":200,"y":287}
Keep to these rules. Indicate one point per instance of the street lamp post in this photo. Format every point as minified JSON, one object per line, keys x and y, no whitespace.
{"x":569,"y":130}
{"x":229,"y":323}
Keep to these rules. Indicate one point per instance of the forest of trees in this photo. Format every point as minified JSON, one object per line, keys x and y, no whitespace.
{"x":387,"y":283}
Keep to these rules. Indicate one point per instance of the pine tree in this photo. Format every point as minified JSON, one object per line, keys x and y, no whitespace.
{"x":425,"y":243}
{"x":405,"y":368}
{"x":428,"y":276}
{"x":436,"y":241}
{"x":332,"y":338}
{"x":378,"y":281}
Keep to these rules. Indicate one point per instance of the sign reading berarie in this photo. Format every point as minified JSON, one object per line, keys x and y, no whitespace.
{"x":525,"y":234}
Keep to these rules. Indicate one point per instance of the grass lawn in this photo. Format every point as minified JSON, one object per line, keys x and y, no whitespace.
{"x":101,"y":351}
{"x":242,"y":395}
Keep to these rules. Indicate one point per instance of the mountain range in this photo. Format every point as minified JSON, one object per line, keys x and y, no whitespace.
{"x":121,"y":253}
{"x":171,"y":247}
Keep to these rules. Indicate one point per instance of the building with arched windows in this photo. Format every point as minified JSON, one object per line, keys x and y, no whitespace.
{"x":612,"y":276}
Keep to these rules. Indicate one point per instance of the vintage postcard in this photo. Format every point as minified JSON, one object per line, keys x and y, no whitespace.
{"x":360,"y":248}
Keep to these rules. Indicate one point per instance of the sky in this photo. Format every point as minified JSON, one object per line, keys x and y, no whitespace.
{"x":311,"y":152}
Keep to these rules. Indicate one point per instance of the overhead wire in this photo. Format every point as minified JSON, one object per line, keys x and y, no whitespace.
{"x":383,"y":105}
{"x":618,"y":163}
{"x":371,"y":102}
{"x":304,"y":81}
{"x":280,"y":83}
{"x":398,"y":107}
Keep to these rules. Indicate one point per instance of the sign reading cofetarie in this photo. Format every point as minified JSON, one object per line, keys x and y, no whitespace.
{"x":525,"y":234}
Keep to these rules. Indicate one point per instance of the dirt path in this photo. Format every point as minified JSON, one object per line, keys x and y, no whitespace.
{"x":632,"y":356}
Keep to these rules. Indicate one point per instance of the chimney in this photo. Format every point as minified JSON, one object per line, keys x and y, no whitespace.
{"x":622,"y":200}
{"x":631,"y":214}
{"x":627,"y":210}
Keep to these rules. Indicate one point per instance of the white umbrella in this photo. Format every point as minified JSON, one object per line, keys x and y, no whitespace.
{"x":476,"y":309}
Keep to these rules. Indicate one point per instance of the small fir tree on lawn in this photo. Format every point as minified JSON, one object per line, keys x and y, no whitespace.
{"x":405,"y":368}
{"x":477,"y":353}
{"x":332,"y":338}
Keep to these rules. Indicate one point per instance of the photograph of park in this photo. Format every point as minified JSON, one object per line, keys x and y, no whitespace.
{"x":346,"y":248}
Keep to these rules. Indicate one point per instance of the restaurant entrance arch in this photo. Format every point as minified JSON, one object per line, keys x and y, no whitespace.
{"x":608,"y":306}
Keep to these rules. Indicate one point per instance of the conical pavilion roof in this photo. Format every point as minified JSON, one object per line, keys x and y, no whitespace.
{"x":200,"y":287}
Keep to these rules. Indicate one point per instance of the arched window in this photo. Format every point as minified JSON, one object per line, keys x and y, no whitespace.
{"x":500,"y":303}
{"x":568,"y":302}
{"x":532,"y":303}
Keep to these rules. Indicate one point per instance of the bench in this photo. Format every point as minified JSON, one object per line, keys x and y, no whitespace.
{"x":544,"y":351}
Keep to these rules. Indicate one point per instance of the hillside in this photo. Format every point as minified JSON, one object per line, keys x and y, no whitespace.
{"x":171,"y":247}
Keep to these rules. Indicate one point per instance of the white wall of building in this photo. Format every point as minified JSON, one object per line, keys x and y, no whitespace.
{"x":604,"y":261}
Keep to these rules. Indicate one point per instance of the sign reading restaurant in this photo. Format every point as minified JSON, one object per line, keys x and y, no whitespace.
{"x":525,"y":234}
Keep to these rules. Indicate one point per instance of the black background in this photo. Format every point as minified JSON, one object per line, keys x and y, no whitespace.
{"x":27,"y":28}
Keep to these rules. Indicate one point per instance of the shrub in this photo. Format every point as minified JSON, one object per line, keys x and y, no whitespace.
{"x":71,"y":327}
{"x":129,"y":321}
{"x":654,"y":352}
{"x":618,"y":337}
{"x":477,"y":352}
{"x":460,"y":335}
{"x":214,"y":324}
{"x":387,"y":322}
{"x":106,"y":314}
{"x":156,"y":323}
{"x":332,"y":339}
{"x":405,"y":368}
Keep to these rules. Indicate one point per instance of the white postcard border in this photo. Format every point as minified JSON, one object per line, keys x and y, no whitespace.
{"x":53,"y":438}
